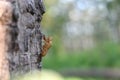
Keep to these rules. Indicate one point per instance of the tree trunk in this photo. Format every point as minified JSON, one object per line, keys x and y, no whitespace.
{"x":26,"y":36}
{"x":20,"y":36}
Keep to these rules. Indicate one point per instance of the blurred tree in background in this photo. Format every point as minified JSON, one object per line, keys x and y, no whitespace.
{"x":114,"y":18}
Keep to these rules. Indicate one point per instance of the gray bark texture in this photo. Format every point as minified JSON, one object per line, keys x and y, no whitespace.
{"x":26,"y":36}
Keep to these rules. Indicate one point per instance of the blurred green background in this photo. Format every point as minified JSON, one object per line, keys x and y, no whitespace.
{"x":86,"y":34}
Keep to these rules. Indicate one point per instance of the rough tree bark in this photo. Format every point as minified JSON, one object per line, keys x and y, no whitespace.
{"x":26,"y":36}
{"x":20,"y":36}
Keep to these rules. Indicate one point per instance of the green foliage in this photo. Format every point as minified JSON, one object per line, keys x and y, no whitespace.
{"x":105,"y":55}
{"x":111,"y":5}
